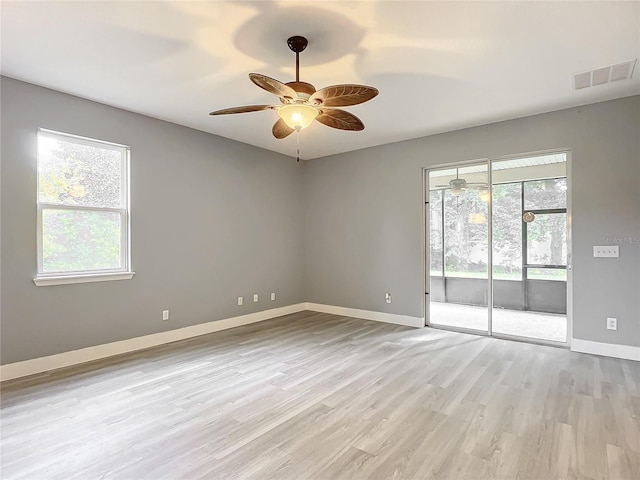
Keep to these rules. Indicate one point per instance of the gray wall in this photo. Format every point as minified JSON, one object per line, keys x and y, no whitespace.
{"x":364,"y":226}
{"x":211,"y":219}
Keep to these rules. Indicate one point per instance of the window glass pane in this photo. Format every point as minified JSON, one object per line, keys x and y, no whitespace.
{"x":75,"y":240}
{"x":72,"y":173}
{"x":559,"y":274}
{"x":507,"y":231}
{"x":435,"y":221}
{"x":465,"y":234}
{"x":547,"y":239}
{"x":542,"y":194}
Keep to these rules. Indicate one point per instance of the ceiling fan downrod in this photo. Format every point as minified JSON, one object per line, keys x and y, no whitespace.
{"x":297,"y":44}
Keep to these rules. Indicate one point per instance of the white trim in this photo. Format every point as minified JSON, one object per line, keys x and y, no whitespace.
{"x":626,"y":352}
{"x":406,"y":320}
{"x":490,"y":265}
{"x":88,"y":141}
{"x":569,"y":196}
{"x":69,"y":279}
{"x":75,"y":357}
{"x":83,"y":355}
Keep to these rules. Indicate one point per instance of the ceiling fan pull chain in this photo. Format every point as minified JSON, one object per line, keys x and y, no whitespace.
{"x":298,"y":145}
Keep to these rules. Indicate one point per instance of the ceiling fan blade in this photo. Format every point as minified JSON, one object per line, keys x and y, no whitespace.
{"x":340,"y":119}
{"x":272,"y":85}
{"x":281,"y":129}
{"x":248,"y":108}
{"x":343,"y":95}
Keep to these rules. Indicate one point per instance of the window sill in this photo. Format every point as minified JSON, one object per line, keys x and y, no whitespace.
{"x":69,"y":279}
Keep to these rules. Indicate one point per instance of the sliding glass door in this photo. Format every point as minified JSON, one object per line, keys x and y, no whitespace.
{"x":459,"y":247}
{"x":519,"y":207}
{"x":530,"y":247}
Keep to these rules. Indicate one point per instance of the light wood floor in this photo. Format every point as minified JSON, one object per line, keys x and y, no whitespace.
{"x":320,"y":396}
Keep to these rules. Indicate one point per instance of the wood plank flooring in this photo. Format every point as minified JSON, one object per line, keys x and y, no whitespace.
{"x":320,"y":396}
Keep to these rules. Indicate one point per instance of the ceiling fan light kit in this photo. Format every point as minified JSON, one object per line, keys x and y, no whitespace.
{"x":298,"y":116}
{"x":301,"y":104}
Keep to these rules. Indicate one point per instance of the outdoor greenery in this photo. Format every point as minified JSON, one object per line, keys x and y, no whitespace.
{"x":81,"y":178}
{"x":465,"y":231}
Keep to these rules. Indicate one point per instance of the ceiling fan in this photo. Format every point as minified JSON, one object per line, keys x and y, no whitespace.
{"x":458,"y":185}
{"x":301,"y":103}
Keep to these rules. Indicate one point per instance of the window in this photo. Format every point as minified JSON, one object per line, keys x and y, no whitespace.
{"x":83,"y":214}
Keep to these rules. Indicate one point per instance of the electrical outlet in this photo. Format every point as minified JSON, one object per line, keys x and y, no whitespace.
{"x":387,"y":297}
{"x":255,"y":297}
{"x":240,"y":301}
{"x":273,"y":296}
{"x":165,"y":315}
{"x":612,"y":251}
{"x":612,"y":324}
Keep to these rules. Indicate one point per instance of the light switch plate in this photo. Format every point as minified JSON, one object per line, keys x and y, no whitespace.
{"x":612,"y":251}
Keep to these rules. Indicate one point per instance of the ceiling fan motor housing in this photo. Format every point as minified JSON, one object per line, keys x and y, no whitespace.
{"x":458,"y":183}
{"x":303,"y":89}
{"x":297,"y":43}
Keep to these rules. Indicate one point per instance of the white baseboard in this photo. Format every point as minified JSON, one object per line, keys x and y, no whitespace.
{"x":626,"y":352}
{"x":406,"y":320}
{"x":66,"y":359}
{"x":75,"y":357}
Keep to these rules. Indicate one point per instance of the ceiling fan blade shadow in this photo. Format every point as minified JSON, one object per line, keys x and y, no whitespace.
{"x":246,"y":109}
{"x":281,"y":129}
{"x":272,"y":85}
{"x":340,"y":119}
{"x":343,"y":95}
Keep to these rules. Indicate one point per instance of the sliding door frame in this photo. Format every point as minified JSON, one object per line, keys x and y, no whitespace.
{"x":427,"y":246}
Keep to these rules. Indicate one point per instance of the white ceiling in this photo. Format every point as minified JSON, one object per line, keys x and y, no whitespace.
{"x":439,"y":66}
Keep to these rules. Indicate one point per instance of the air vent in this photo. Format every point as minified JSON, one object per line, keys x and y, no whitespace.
{"x":603,"y":75}
{"x":622,"y":71}
{"x":582,"y":80}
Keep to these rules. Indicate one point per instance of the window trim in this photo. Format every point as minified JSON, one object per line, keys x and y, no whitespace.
{"x":83,"y":276}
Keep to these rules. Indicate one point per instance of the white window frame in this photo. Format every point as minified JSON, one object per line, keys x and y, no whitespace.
{"x":123,"y":272}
